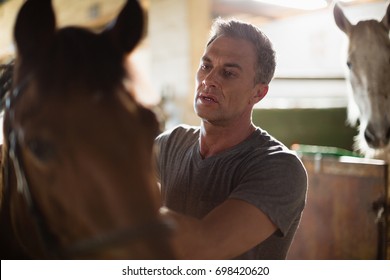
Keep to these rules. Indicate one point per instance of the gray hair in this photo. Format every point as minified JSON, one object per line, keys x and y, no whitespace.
{"x":266,"y":61}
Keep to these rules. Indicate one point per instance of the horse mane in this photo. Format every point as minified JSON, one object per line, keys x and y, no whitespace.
{"x":6,"y":77}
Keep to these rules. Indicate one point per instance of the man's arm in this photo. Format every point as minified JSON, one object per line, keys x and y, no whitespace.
{"x":229,"y":230}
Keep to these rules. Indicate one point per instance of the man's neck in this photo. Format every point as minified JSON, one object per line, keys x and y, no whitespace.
{"x":215,"y":139}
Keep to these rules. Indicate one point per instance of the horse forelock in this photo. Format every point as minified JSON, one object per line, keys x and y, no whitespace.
{"x":371,"y":32}
{"x":369,"y":56}
{"x":81,"y":60}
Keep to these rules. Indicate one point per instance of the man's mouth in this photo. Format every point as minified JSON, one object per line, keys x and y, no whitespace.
{"x":208,"y":98}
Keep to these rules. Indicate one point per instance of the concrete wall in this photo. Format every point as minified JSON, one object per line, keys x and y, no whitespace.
{"x":177,"y":33}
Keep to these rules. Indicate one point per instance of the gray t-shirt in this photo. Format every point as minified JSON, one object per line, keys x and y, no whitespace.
{"x":259,"y":170}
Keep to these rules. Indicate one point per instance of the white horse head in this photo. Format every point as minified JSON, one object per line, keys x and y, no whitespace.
{"x":368,"y":61}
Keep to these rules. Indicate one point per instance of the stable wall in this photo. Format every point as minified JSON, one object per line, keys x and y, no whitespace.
{"x":324,"y":127}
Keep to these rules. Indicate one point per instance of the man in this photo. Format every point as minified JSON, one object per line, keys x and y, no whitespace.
{"x":233,"y":190}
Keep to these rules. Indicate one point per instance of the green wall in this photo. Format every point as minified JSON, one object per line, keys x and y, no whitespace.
{"x":322,"y":127}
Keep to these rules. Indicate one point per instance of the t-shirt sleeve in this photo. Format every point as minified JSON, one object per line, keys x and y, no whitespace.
{"x":158,"y":147}
{"x":277,"y":185}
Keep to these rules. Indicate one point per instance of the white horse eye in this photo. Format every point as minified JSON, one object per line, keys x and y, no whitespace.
{"x":349,"y":64}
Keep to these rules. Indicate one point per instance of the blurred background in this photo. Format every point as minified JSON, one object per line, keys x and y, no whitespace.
{"x":307,"y":99}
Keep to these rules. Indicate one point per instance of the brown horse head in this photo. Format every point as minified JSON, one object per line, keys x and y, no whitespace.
{"x":79,"y":172}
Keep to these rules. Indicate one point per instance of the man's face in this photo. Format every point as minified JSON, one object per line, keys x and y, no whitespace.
{"x":225,"y":82}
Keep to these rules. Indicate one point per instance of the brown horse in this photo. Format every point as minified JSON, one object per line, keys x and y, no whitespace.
{"x":78,"y":179}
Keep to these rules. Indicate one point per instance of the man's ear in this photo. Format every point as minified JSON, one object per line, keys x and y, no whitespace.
{"x":260,"y":92}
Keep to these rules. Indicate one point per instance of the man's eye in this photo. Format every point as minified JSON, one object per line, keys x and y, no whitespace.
{"x":205,"y":67}
{"x":228,"y":74}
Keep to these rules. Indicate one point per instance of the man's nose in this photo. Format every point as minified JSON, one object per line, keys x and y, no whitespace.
{"x":210,"y":79}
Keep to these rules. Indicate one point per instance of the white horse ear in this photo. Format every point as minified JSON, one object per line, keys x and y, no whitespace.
{"x":386,"y":18}
{"x":341,"y":20}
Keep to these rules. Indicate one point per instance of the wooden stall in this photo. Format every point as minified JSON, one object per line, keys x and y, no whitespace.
{"x":346,"y":215}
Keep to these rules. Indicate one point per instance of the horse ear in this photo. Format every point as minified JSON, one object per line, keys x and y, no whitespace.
{"x":127,"y":30}
{"x":341,"y":20}
{"x":34,"y":28}
{"x":386,"y":18}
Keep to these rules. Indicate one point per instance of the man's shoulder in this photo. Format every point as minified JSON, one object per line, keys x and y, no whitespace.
{"x":273,"y":150}
{"x":180,"y":130}
{"x":179,"y":134}
{"x":263,"y":142}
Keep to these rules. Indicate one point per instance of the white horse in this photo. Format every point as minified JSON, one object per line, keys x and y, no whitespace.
{"x":368,"y":61}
